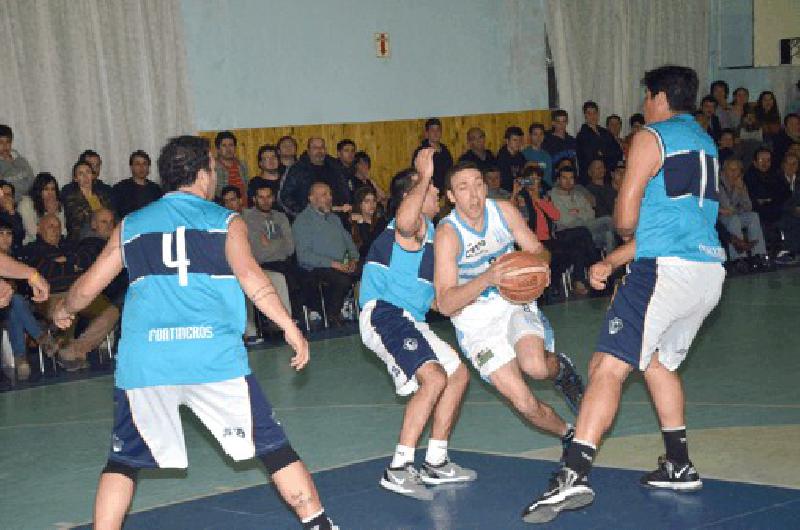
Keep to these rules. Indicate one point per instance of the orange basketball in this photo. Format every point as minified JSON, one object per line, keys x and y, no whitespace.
{"x":527,"y":277}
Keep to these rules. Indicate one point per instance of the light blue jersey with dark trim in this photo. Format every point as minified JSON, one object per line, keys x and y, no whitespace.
{"x":184,"y":312}
{"x":680,"y":205}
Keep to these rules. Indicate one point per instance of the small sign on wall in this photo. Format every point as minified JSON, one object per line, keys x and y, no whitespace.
{"x":382,"y":45}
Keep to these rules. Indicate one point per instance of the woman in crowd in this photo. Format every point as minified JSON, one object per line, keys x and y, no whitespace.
{"x":768,"y":115}
{"x":42,"y":199}
{"x":84,"y":199}
{"x":365,"y":220}
{"x":361,"y":178}
{"x":741,"y":97}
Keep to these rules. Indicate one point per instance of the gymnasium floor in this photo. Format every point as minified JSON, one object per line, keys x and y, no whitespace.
{"x":743,"y":412}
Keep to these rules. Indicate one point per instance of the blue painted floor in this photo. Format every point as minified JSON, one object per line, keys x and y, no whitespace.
{"x":505,"y":484}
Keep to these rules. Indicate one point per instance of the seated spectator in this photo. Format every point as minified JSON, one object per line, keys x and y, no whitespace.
{"x":42,"y":199}
{"x":82,"y":197}
{"x":768,"y":115}
{"x":708,"y":108}
{"x":313,"y":166}
{"x":736,"y":213}
{"x":790,"y":134}
{"x":636,"y":122}
{"x":20,"y":319}
{"x":287,"y":152}
{"x":605,"y":196}
{"x":269,"y":163}
{"x":572,"y":227}
{"x":768,"y":192}
{"x":345,"y":161}
{"x":326,"y":250}
{"x":725,"y":116}
{"x":727,"y":145}
{"x":614,"y":128}
{"x":231,"y":198}
{"x":476,"y":150}
{"x":790,"y":220}
{"x":750,"y":137}
{"x":272,"y":244}
{"x":362,"y":178}
{"x":493,"y":179}
{"x":137,"y":191}
{"x":9,"y":213}
{"x":536,"y":154}
{"x":558,"y":141}
{"x":89,"y":248}
{"x":14,"y":168}
{"x":594,"y":141}
{"x":96,"y":163}
{"x":442,"y":159}
{"x":57,"y":261}
{"x":741,"y":99}
{"x":510,"y":159}
{"x":367,"y":223}
{"x":231,"y":171}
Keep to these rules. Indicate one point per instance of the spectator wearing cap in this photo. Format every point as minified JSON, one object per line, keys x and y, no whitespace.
{"x":136,"y":191}
{"x":442,"y":159}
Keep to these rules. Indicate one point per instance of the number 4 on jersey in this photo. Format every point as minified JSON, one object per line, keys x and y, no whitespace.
{"x":180,"y":262}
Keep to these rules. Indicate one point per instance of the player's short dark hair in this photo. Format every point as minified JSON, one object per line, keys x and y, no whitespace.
{"x":266,"y":148}
{"x":181,"y":159}
{"x":721,"y":83}
{"x":341,"y":144}
{"x":678,"y":83}
{"x":636,"y":118}
{"x":6,"y":132}
{"x":457,"y":168}
{"x":589,"y":105}
{"x":401,"y":184}
{"x":78,"y":164}
{"x":558,"y":113}
{"x":710,"y":99}
{"x":613,"y":117}
{"x":86,"y":154}
{"x":227,"y":189}
{"x":534,"y":126}
{"x":362,"y":156}
{"x":222,"y":135}
{"x":513,"y":131}
{"x":430,"y":122}
{"x":139,"y":154}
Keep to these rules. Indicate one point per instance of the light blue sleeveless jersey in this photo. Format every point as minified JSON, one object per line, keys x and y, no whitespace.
{"x":395,"y":275}
{"x":184,"y":312}
{"x":680,"y":204}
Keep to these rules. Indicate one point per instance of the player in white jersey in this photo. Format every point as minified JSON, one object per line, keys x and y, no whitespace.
{"x":502,"y":340}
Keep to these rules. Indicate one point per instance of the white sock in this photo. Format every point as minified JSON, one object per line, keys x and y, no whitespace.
{"x":437,"y":452}
{"x":402,"y":456}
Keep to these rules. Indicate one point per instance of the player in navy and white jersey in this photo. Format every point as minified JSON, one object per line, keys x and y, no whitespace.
{"x":666,"y":211}
{"x":396,"y":293}
{"x":504,"y":341}
{"x":188,"y":260}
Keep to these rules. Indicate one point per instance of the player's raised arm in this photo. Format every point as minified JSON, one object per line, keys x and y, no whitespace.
{"x":91,"y":283}
{"x":258,"y":287}
{"x":522,"y":233}
{"x":644,"y":161}
{"x":409,"y":221}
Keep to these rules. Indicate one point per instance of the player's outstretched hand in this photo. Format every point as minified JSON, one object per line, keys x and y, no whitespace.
{"x":294,"y":337}
{"x":599,"y":273}
{"x":40,"y":287}
{"x":60,"y":316}
{"x":424,"y":163}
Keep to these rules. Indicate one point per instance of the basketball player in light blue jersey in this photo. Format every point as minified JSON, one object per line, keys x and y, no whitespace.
{"x":666,"y":211}
{"x":188,"y":261}
{"x":396,"y":293}
{"x":504,"y":341}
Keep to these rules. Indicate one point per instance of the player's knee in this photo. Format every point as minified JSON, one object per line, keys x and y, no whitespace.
{"x":121,"y":469}
{"x":278,"y":459}
{"x":432,"y":378}
{"x":460,"y":377}
{"x":609,"y":368}
{"x":534,"y":367}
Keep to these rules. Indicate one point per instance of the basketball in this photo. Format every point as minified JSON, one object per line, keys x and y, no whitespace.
{"x":526,"y":279}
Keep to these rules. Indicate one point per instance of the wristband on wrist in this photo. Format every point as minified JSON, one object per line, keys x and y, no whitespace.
{"x":34,"y":276}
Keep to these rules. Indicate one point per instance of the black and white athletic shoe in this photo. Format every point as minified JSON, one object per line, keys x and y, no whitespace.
{"x":567,"y":491}
{"x":405,"y":481}
{"x":669,"y":475}
{"x":569,"y":383}
{"x":446,"y":473}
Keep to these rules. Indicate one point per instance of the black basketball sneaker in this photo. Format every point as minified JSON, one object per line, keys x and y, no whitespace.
{"x":669,"y":475}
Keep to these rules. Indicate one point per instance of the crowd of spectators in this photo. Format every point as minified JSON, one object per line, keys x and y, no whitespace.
{"x":312,"y":216}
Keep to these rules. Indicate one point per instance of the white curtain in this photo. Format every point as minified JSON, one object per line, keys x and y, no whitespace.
{"x":601,"y":49}
{"x":92,"y":74}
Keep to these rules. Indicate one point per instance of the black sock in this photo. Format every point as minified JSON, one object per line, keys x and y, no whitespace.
{"x":580,"y":456}
{"x":320,"y":522}
{"x":568,"y":436}
{"x":675,"y":443}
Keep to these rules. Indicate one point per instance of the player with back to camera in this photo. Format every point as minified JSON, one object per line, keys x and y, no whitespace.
{"x":504,"y":341}
{"x":396,"y":293}
{"x":666,"y":212}
{"x":188,"y":260}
